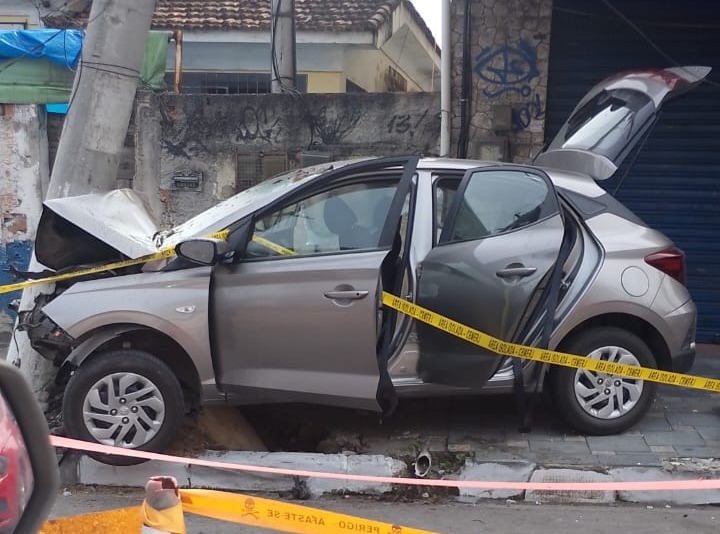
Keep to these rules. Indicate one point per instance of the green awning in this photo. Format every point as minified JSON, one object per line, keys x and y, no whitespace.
{"x":40,"y":81}
{"x":34,"y":81}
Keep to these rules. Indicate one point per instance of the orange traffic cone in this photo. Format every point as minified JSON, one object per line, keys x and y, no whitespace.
{"x":161,"y":510}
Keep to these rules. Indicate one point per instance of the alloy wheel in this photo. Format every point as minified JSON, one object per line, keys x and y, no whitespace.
{"x":607,"y":396}
{"x":123,"y":410}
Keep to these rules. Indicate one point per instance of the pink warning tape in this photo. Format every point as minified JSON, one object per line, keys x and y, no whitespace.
{"x":660,"y":485}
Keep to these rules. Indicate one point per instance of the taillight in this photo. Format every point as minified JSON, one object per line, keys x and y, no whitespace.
{"x":671,"y":261}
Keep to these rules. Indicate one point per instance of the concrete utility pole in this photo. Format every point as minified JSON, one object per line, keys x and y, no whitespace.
{"x":94,"y":132}
{"x":282,"y":45}
{"x":89,"y":151}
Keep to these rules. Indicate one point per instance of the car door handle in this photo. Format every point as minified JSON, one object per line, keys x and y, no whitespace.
{"x":516,"y":272}
{"x":347,"y":295}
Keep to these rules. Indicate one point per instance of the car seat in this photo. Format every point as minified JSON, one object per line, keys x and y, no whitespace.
{"x":341,"y":220}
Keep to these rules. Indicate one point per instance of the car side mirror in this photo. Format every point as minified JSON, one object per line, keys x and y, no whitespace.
{"x":29,"y":477}
{"x":203,"y":251}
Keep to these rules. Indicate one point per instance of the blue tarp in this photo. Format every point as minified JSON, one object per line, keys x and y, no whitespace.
{"x":59,"y":46}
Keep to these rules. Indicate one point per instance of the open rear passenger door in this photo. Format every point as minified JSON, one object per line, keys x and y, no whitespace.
{"x":501,"y":239}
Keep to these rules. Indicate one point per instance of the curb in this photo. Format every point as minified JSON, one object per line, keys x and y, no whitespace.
{"x":79,"y":469}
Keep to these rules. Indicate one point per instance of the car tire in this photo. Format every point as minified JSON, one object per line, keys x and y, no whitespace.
{"x":591,"y":403}
{"x":144,"y":411}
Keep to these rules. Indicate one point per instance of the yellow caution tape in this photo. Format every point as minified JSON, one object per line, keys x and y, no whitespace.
{"x":225,"y":506}
{"x":122,"y":521}
{"x":282,"y":516}
{"x":121,"y":264}
{"x":168,"y":253}
{"x":273,"y":246}
{"x":546,"y":356}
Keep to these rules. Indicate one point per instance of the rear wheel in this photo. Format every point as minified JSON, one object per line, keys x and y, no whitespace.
{"x":600,"y":403}
{"x":125,"y":398}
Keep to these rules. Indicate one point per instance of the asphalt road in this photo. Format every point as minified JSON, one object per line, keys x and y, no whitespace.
{"x":443,"y":517}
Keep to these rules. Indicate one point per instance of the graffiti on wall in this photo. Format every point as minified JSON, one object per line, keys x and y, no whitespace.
{"x":511,"y":69}
{"x":257,"y":125}
{"x":507,"y":69}
{"x":330,"y":126}
{"x":409,"y":123}
{"x":531,"y":110}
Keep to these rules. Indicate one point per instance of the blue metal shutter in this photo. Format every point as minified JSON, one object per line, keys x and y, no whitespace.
{"x":674,"y":183}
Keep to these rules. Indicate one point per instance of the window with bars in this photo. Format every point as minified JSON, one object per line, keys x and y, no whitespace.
{"x":229,"y":83}
{"x":253,"y":168}
{"x":13,"y":24}
{"x":394,"y":81}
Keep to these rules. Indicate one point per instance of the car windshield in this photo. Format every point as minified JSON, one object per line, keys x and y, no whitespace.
{"x":267,"y":189}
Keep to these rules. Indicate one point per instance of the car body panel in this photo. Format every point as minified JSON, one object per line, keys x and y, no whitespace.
{"x":174,"y":303}
{"x":119,"y":218}
{"x":483,"y":258}
{"x":277,"y":337}
{"x":458,"y":280}
{"x":625,"y":244}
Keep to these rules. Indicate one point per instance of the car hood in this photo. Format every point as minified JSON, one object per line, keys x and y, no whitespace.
{"x":94,"y":227}
{"x":613,"y":117}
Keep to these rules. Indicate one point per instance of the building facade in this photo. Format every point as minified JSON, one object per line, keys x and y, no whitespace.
{"x":342,"y":46}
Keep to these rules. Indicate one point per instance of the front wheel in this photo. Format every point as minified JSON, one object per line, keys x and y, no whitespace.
{"x":600,"y":403}
{"x":125,"y":398}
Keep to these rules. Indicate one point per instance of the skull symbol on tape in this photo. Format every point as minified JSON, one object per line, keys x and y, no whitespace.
{"x":249,"y":508}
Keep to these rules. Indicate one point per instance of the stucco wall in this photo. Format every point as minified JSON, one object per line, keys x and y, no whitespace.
{"x":325,"y":82}
{"x":213,"y":136}
{"x":368,"y":69}
{"x":23,"y":175}
{"x":509,"y":53}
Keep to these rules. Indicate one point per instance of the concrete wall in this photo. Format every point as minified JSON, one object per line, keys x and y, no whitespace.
{"x":222,"y":139}
{"x":510,"y":46}
{"x":23,"y":179}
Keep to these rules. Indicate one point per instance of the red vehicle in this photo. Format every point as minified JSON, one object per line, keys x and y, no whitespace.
{"x":15,"y":473}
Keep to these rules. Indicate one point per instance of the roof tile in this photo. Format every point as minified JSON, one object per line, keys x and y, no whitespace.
{"x":254,"y":15}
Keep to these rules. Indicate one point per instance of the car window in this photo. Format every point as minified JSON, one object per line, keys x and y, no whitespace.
{"x":346,"y":218}
{"x":445,"y":189}
{"x":500,"y":201}
{"x":607,"y":122}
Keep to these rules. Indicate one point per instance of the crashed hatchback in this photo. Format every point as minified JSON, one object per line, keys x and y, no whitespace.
{"x":288,"y":307}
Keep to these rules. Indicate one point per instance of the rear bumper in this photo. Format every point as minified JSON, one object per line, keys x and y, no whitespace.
{"x":683,"y":323}
{"x":684,"y":361}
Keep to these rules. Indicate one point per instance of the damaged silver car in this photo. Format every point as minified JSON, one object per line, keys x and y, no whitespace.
{"x":288,"y":309}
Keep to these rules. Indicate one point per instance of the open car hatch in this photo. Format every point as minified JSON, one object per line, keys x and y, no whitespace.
{"x":610,"y":120}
